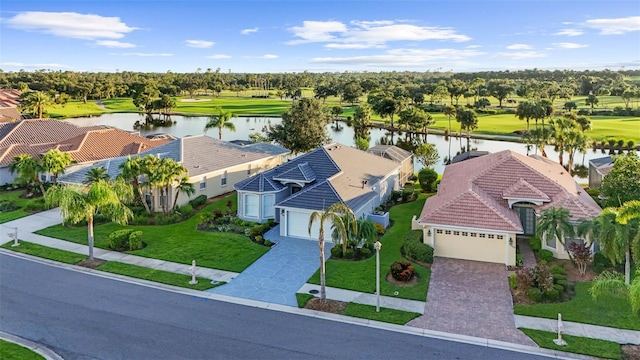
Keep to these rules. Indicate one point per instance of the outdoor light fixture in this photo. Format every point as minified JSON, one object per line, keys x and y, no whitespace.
{"x":510,"y":241}
{"x":429,"y":232}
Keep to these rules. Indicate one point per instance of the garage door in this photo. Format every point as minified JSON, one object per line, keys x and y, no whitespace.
{"x":470,"y":248}
{"x":298,"y":225}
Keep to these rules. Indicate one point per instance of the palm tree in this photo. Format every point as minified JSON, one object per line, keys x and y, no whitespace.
{"x":77,"y":203}
{"x":35,"y":102}
{"x":628,"y":211}
{"x":524,"y":111}
{"x":614,"y":283}
{"x":55,"y":161}
{"x":559,"y":130}
{"x":539,"y":138}
{"x":575,"y":140}
{"x":220,"y":121}
{"x":468,"y":120}
{"x":362,"y":121}
{"x":96,"y":174}
{"x":554,"y":224}
{"x":334,"y":214}
{"x":184,"y":186}
{"x":130,"y":171}
{"x":450,"y":111}
{"x":28,"y":169}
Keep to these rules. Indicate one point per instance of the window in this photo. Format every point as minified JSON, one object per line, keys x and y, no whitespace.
{"x":223,"y":179}
{"x":464,"y":233}
{"x":249,"y":170}
{"x":447,"y":232}
{"x":501,"y":237}
{"x":268,"y":209}
{"x":491,"y":236}
{"x":251,"y":205}
{"x":203,"y":184}
{"x":43,"y":178}
{"x":482,"y":235}
{"x":551,"y":242}
{"x":474,"y":234}
{"x":456,"y":233}
{"x":439,"y":231}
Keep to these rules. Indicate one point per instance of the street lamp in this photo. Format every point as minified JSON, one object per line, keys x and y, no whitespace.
{"x":377,"y":246}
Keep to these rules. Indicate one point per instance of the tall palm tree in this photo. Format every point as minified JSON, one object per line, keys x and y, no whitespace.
{"x":554,"y":224}
{"x":468,"y":120}
{"x":559,"y":129}
{"x":614,"y":283}
{"x":184,"y":186}
{"x":28,"y":170}
{"x":334,"y":214}
{"x":96,"y":174}
{"x":539,"y":138}
{"x":77,"y":203}
{"x":575,"y":140}
{"x":524,"y":111}
{"x":55,"y":162}
{"x":35,"y":102}
{"x":220,"y":121}
{"x":131,"y":170}
{"x":450,"y":111}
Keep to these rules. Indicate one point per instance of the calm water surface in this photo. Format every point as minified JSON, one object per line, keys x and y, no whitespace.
{"x":186,"y":125}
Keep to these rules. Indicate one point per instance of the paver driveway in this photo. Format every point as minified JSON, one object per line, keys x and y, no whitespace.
{"x":470,"y":298}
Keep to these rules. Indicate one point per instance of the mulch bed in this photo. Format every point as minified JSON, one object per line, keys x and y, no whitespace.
{"x":630,"y":352}
{"x":414,"y":281}
{"x":330,"y":306}
{"x":91,"y":264}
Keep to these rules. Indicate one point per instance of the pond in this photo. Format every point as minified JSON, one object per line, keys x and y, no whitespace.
{"x":194,"y":125}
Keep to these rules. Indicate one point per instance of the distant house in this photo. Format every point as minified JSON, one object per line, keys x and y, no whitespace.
{"x":214,"y":166}
{"x":334,"y":173}
{"x":482,"y":204}
{"x":468,"y":155}
{"x":598,"y":168}
{"x":401,"y":156}
{"x":84,"y":144}
{"x":9,"y":102}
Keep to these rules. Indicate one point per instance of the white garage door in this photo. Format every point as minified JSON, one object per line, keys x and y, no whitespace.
{"x":470,"y":248}
{"x":298,"y":226}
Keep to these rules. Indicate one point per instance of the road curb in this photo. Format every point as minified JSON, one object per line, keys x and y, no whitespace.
{"x":314,"y":313}
{"x":43,"y":351}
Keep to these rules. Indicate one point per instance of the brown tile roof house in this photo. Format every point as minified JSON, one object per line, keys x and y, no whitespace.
{"x":9,"y":97}
{"x":9,"y":113}
{"x":501,"y":193}
{"x":84,"y":144}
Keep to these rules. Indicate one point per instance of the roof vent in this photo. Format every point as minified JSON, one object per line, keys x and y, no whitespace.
{"x":196,"y":166}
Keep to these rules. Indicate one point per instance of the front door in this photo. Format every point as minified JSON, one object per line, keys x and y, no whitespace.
{"x":527,"y":217}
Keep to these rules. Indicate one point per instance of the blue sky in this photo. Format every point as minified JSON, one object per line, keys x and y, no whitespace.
{"x":318,"y":36}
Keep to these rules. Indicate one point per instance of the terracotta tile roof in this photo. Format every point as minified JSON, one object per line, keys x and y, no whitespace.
{"x":40,"y":131}
{"x":489,"y":178}
{"x":9,"y":97}
{"x":10,"y":113}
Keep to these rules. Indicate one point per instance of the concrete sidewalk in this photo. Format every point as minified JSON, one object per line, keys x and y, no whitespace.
{"x":367,"y":299}
{"x":621,"y":336}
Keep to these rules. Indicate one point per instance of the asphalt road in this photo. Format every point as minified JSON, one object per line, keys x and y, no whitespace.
{"x":81,"y":316}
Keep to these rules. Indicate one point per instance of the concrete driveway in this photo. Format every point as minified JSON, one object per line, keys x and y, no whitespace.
{"x":470,"y":298}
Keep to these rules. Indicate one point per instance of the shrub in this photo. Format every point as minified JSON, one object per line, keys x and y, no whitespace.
{"x":395,"y":196}
{"x":581,"y":255}
{"x":199,"y":200}
{"x":365,"y":252}
{"x":535,"y":243}
{"x":565,"y":284}
{"x":166,"y":219}
{"x":402,"y":271}
{"x":523,"y":279}
{"x":414,"y":248}
{"x":336,"y":252}
{"x":7,"y":205}
{"x":534,"y":294}
{"x":348,"y":254}
{"x":268,"y":243}
{"x":558,"y":277}
{"x":519,"y":260}
{"x":186,"y":210}
{"x":546,"y":255}
{"x":557,"y":269}
{"x":541,"y":278}
{"x":600,"y":262}
{"x":427,"y":177}
{"x":379,"y":228}
{"x":135,"y":240}
{"x":259,"y":239}
{"x":36,"y":205}
{"x":513,"y":282}
{"x":551,"y":295}
{"x":119,"y":239}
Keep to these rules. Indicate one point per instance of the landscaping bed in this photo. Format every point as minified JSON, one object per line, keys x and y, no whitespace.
{"x":15,"y":204}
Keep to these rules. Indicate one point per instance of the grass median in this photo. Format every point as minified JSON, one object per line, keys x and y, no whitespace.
{"x":576,"y":344}
{"x":12,"y":351}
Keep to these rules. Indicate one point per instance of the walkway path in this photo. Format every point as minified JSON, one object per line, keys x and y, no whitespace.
{"x":470,"y":298}
{"x":528,"y":259}
{"x":278,"y":274}
{"x":578,"y":329}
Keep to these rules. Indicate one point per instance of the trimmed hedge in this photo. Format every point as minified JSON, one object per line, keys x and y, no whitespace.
{"x":199,"y":200}
{"x":414,"y":248}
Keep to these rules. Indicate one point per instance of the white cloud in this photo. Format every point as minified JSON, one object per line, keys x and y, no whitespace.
{"x":569,"y":32}
{"x":267,"y":56}
{"x":402,"y":57}
{"x":517,"y":55}
{"x":615,"y":26}
{"x":369,"y":34}
{"x":71,"y":24}
{"x":519,"y":47}
{"x":143,"y":54}
{"x":115,"y":44}
{"x":201,"y":44}
{"x":37,"y":66}
{"x":249,"y":31}
{"x":474,"y":46}
{"x":569,"y":45}
{"x":218,"y":56}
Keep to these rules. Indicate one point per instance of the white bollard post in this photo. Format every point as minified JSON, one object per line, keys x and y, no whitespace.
{"x":192,"y":271}
{"x":15,"y":237}
{"x":559,"y":341}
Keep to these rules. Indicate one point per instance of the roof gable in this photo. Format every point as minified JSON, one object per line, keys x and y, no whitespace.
{"x":317,"y":197}
{"x":300,"y":173}
{"x":521,"y":189}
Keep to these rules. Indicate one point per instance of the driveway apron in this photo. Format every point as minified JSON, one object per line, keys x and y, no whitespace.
{"x":470,"y":298}
{"x":277,"y":275}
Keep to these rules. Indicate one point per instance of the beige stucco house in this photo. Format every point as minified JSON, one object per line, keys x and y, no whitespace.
{"x":214,"y":166}
{"x":483,"y":204}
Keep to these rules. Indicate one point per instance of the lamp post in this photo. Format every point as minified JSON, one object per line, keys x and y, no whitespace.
{"x":377,"y":246}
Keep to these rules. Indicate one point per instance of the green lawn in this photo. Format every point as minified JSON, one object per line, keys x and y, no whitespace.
{"x":114,"y":267}
{"x":180,"y":243}
{"x":607,"y":311}
{"x":11,"y":351}
{"x":75,"y":108}
{"x":576,"y":344}
{"x":20,"y":202}
{"x":361,"y":275}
